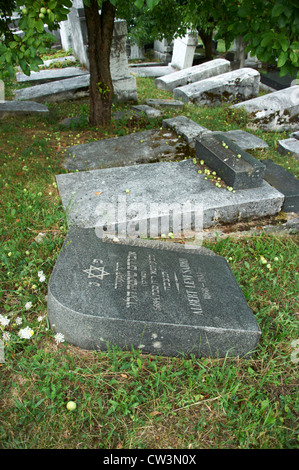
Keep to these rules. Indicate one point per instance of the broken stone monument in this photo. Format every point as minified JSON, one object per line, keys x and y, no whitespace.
{"x":183,"y":51}
{"x":161,"y":299}
{"x":14,"y":108}
{"x":237,"y":168}
{"x":289,"y":147}
{"x":275,"y":111}
{"x":192,"y":74}
{"x":240,"y":84}
{"x":284,"y":182}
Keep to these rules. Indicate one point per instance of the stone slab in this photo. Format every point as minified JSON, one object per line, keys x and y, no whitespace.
{"x":50,"y":75}
{"x":275,"y":111}
{"x":75,"y":87}
{"x":295,"y":135}
{"x":59,"y":90}
{"x":158,"y":300}
{"x":245,"y":140}
{"x":186,"y":128}
{"x":165,"y":103}
{"x":289,"y":146}
{"x":137,"y":196}
{"x":285,"y":183}
{"x":14,"y":108}
{"x":236,"y":168}
{"x":241,"y":84}
{"x":192,"y":74}
{"x":274,"y":80}
{"x":140,"y":147}
{"x":149,"y":111}
{"x":152,"y":72}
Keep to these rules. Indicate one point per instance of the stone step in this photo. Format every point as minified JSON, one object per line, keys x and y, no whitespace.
{"x":237,"y":168}
{"x":159,"y":298}
{"x":240,"y":84}
{"x":192,"y":74}
{"x":275,"y":111}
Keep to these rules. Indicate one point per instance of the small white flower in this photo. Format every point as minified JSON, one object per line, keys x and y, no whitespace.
{"x":40,"y":318}
{"x":4,"y":321}
{"x":26,"y":333}
{"x":40,"y":273}
{"x":59,"y":338}
{"x":19,"y":320}
{"x":6,"y":336}
{"x":28,"y":305}
{"x":42,"y":278}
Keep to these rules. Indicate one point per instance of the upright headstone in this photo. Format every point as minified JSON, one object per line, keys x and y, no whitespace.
{"x":163,"y":50}
{"x":161,"y":299}
{"x":183,"y":51}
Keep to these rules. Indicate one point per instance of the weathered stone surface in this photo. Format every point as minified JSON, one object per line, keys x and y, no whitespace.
{"x":147,"y":110}
{"x":245,"y":140}
{"x":285,"y":183}
{"x":160,"y":299}
{"x":154,"y":71}
{"x":85,"y":195}
{"x":289,"y":146}
{"x":60,"y":90}
{"x":275,"y":111}
{"x":165,"y":103}
{"x":240,"y":84}
{"x":50,"y":75}
{"x":295,"y":135}
{"x":183,"y":51}
{"x":192,"y":74}
{"x":140,"y":147}
{"x":186,"y":128}
{"x":9,"y":108}
{"x":237,"y":168}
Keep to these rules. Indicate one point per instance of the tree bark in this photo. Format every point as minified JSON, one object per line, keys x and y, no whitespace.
{"x":207,"y":38}
{"x":100,"y":31}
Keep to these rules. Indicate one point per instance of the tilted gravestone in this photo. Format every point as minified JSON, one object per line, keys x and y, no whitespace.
{"x":15,"y":108}
{"x":237,"y":168}
{"x":192,"y":74}
{"x":284,"y":182}
{"x":275,"y":111}
{"x":240,"y":84}
{"x":163,"y":299}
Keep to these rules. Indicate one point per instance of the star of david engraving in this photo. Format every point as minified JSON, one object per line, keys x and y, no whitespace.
{"x":96,"y":272}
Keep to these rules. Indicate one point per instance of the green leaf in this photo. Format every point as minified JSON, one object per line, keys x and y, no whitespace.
{"x":39,"y":26}
{"x":139,"y":3}
{"x":266,"y":39}
{"x":277,"y":9}
{"x":283,"y":57}
{"x":284,"y":44}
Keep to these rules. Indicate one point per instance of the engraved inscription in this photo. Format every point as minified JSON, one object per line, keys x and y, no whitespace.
{"x":189,"y":283}
{"x":132,"y":281}
{"x":156,"y":298}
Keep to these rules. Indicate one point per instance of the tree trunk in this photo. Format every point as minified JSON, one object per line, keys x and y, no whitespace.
{"x":100,"y":31}
{"x":207,"y":42}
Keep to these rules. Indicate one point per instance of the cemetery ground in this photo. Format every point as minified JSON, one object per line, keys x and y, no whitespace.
{"x":127,"y":399}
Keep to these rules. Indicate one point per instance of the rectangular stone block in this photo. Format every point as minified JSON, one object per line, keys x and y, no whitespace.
{"x":237,"y":168}
{"x":285,"y":183}
{"x":275,"y":111}
{"x":15,"y":108}
{"x":289,"y":147}
{"x":240,"y":84}
{"x":139,"y":200}
{"x":50,"y":75}
{"x":192,"y":74}
{"x":186,"y":128}
{"x":159,"y":298}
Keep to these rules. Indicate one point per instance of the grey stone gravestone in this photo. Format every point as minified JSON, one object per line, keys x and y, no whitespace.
{"x":284,"y":182}
{"x":9,"y":108}
{"x":240,"y":84}
{"x":289,"y":146}
{"x":192,"y":74}
{"x":162,"y":299}
{"x":186,"y":128}
{"x":245,"y":140}
{"x":236,"y":167}
{"x":140,"y":147}
{"x":275,"y":111}
{"x":156,"y":189}
{"x":50,"y":75}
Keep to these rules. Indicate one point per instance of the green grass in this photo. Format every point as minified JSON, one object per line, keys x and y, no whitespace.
{"x":126,"y":399}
